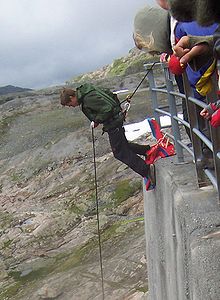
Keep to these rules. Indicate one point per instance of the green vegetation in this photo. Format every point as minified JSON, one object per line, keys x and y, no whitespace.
{"x":79,"y":78}
{"x":111,"y":231}
{"x":142,"y":289}
{"x":10,"y":292}
{"x":122,"y":66}
{"x":119,"y":67}
{"x":140,"y":219}
{"x":5,"y":219}
{"x":17,"y":176}
{"x":76,"y":209}
{"x":7,"y":244}
{"x":124,"y":190}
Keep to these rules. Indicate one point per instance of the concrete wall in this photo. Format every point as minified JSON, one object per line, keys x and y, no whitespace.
{"x":182,"y":224}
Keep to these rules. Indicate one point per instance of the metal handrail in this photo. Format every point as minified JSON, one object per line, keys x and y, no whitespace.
{"x":198,"y":137}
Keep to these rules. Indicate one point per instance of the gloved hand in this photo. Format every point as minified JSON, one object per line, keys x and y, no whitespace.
{"x":94,"y":124}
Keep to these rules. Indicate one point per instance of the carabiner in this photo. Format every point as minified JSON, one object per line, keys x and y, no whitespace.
{"x":127,"y":106}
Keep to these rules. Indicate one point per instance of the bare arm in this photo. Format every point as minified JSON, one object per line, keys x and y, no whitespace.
{"x":183,"y":51}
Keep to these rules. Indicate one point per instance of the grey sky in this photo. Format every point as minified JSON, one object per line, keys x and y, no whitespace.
{"x":45,"y":42}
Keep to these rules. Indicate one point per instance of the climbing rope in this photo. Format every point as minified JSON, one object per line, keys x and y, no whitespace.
{"x":97,"y":213}
{"x":126,"y":108}
{"x":128,"y":98}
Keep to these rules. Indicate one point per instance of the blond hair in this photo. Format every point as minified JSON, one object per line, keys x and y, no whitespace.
{"x":146,"y":42}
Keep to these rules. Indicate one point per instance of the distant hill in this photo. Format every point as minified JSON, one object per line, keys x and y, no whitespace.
{"x":9,"y":89}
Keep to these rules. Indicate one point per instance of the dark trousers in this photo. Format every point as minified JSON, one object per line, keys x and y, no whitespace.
{"x":127,"y":152}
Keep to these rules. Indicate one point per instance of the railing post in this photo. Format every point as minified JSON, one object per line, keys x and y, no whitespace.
{"x":173,"y":112}
{"x":153,"y":93}
{"x":202,"y":135}
{"x":215,"y":137}
{"x":196,"y":142}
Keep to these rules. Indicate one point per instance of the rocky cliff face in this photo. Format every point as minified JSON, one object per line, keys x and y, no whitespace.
{"x":48,"y":233}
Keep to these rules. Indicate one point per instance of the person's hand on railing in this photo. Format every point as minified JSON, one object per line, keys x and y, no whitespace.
{"x":212,"y":114}
{"x":205,"y":114}
{"x":185,"y":54}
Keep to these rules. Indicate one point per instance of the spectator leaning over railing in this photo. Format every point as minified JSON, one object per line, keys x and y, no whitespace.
{"x":196,"y":53}
{"x":205,"y":12}
{"x":212,"y":113}
{"x":169,"y":58}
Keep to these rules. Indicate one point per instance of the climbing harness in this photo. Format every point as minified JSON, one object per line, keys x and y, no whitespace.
{"x":97,"y":213}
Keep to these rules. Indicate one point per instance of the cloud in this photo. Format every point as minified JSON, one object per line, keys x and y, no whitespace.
{"x":45,"y":42}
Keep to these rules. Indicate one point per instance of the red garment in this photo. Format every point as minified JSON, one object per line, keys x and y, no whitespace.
{"x":163,"y":148}
{"x":215,"y":119}
{"x":174,"y":65}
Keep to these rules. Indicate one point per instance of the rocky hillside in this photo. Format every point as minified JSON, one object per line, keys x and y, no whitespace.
{"x":48,"y":227}
{"x":122,"y":73}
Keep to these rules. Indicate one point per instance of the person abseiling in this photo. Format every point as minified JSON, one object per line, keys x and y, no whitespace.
{"x":101,"y":106}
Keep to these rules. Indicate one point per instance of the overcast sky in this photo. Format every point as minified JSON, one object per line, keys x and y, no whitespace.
{"x":46,"y":42}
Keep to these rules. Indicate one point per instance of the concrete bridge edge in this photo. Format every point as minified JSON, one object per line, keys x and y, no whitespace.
{"x":182,"y":226}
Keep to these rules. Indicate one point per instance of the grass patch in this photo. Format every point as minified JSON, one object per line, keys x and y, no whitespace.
{"x":7,"y":244}
{"x":5,"y":219}
{"x":142,"y":289}
{"x":18,"y":176}
{"x":10,"y":292}
{"x":124,"y":190}
{"x":118,"y":68}
{"x":140,"y":219}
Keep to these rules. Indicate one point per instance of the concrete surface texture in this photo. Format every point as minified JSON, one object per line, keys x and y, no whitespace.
{"x":182,"y":224}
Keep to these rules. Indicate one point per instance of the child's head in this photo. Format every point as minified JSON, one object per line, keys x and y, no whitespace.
{"x":152,"y":30}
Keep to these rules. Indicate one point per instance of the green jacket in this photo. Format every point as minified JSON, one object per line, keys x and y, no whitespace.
{"x":100,"y":106}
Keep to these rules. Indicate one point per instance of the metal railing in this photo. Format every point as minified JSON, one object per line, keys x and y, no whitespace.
{"x":202,"y":135}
